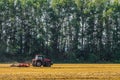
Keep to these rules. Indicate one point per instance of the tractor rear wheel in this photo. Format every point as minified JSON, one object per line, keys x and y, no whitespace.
{"x":38,"y":64}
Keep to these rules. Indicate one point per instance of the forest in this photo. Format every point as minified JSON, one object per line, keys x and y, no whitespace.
{"x":67,"y":31}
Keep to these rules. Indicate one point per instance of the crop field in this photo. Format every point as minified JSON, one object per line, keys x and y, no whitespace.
{"x":62,"y":72}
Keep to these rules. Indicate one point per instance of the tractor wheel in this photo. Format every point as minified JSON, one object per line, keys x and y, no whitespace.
{"x":38,"y":64}
{"x":48,"y":64}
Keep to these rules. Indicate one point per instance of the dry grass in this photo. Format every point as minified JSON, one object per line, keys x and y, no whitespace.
{"x":62,"y":72}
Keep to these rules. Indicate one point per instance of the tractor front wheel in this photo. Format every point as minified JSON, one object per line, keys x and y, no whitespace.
{"x":38,"y":64}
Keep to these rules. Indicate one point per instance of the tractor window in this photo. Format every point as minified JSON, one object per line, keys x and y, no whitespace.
{"x":39,"y":57}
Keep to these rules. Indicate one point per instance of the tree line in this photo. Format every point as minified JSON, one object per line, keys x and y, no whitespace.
{"x":64,"y":30}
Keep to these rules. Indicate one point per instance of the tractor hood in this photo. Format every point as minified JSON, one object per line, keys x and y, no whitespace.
{"x":46,"y":59}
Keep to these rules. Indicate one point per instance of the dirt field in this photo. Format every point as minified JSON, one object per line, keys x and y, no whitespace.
{"x":62,"y":72}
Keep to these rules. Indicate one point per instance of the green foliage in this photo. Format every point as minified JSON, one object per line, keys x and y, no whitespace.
{"x":78,"y":3}
{"x":93,"y":58}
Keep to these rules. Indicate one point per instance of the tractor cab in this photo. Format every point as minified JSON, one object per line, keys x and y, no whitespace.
{"x":39,"y":57}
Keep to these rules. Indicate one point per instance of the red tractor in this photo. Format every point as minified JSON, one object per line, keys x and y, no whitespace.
{"x":40,"y":60}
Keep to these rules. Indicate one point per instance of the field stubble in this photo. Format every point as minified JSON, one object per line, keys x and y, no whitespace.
{"x":62,"y":72}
